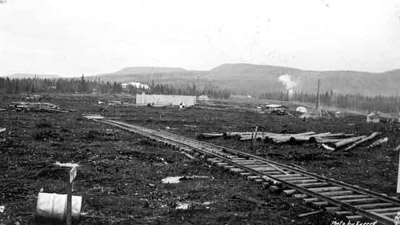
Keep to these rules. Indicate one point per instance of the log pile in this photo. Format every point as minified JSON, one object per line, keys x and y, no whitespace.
{"x":329,"y":141}
{"x":34,"y":107}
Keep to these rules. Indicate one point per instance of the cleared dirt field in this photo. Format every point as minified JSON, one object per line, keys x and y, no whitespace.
{"x":120,"y":173}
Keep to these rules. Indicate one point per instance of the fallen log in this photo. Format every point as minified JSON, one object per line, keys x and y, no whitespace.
{"x":370,"y":137}
{"x":328,"y":140}
{"x":344,"y":142}
{"x":209,"y":135}
{"x":327,"y":147}
{"x":281,"y":138}
{"x":308,"y":138}
{"x":378,"y":142}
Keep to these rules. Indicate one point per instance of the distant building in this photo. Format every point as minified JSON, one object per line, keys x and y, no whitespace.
{"x":203,"y":98}
{"x":136,"y":85}
{"x":164,"y":100}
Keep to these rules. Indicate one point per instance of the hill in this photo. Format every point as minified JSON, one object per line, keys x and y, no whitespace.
{"x":256,"y":79}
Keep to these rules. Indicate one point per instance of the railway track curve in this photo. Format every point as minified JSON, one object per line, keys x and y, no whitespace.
{"x":342,"y":199}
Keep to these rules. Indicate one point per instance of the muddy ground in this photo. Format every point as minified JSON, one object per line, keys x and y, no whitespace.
{"x":120,"y":173}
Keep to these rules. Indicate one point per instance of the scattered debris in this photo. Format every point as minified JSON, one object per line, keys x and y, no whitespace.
{"x":171,"y":180}
{"x":66,"y":164}
{"x":309,"y":213}
{"x":177,"y":179}
{"x":34,"y":107}
{"x":92,"y":116}
{"x":181,"y":205}
{"x":189,"y":156}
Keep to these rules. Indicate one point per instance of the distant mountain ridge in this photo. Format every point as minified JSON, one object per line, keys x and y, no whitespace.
{"x":253,"y":79}
{"x":150,"y":70}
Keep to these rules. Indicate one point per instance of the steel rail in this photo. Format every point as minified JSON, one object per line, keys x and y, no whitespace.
{"x":201,"y":148}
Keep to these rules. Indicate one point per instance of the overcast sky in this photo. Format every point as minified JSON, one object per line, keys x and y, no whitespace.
{"x":71,"y":37}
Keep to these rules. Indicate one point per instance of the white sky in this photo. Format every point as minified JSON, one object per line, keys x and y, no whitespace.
{"x":71,"y":37}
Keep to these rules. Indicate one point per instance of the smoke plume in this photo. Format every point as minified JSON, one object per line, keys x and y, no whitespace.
{"x":289,"y":84}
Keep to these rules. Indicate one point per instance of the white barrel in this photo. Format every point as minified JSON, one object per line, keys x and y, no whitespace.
{"x":52,"y":208}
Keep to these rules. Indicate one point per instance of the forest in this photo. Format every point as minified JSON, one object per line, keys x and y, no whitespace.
{"x":389,"y":104}
{"x":87,"y":86}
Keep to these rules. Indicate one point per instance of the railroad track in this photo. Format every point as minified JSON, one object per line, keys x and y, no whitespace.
{"x":340,"y":198}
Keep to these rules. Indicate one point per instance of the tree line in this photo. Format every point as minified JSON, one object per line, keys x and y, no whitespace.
{"x":82,"y":85}
{"x":389,"y":104}
{"x":58,"y":85}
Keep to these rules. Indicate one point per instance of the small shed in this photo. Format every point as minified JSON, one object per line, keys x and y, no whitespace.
{"x":373,"y":118}
{"x":276,"y":109}
{"x":203,"y":98}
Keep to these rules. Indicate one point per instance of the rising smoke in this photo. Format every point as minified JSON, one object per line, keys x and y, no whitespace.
{"x":289,"y":84}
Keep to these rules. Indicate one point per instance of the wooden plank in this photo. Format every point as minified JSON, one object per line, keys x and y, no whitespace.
{"x":289,"y":192}
{"x":254,"y":177}
{"x":288,"y":175}
{"x":361,"y":200}
{"x":375,"y":205}
{"x":308,"y":200}
{"x":72,"y":173}
{"x":294,"y":178}
{"x":354,"y":217}
{"x":69,"y":202}
{"x":392,"y":209}
{"x":319,"y":204}
{"x":271,"y":173}
{"x":265,"y":169}
{"x":303,"y":181}
{"x":249,"y":162}
{"x":388,"y":214}
{"x":317,"y":184}
{"x":349,"y":196}
{"x":336,"y":193}
{"x":300,"y":196}
{"x":333,"y":208}
{"x":323,"y":189}
{"x":309,"y":214}
{"x":258,"y":180}
{"x":236,"y":170}
{"x":341,"y":213}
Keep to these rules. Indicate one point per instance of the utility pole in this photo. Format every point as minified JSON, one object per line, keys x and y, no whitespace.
{"x":318,"y":100}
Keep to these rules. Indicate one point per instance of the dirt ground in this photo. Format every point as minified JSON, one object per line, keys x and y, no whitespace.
{"x":120,"y":173}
